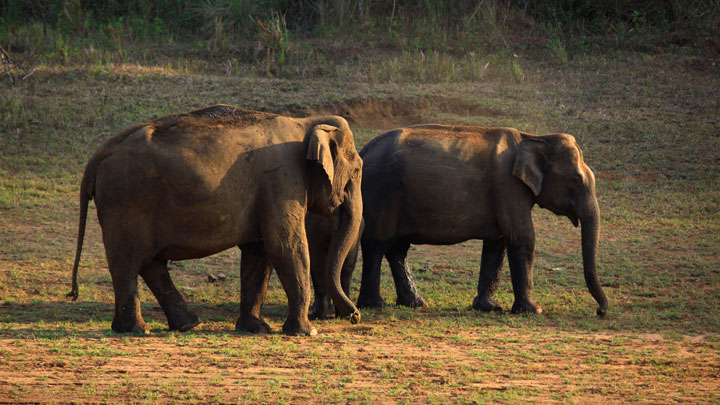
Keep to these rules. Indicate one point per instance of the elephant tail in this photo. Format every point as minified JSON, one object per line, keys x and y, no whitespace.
{"x":87,"y":192}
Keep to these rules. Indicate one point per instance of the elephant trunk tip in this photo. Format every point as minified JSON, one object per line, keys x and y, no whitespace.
{"x":73,"y":294}
{"x":601,"y":312}
{"x":355,"y":317}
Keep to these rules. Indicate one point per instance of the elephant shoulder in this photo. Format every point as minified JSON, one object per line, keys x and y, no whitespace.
{"x":382,"y":142}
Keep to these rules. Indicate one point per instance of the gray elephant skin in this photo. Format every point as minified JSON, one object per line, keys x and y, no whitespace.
{"x":441,"y":185}
{"x":190,"y":185}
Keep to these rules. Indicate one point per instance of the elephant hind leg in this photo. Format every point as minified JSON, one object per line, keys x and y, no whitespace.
{"x":493,"y":256}
{"x":405,"y":288}
{"x":128,"y":317}
{"x":254,"y":276}
{"x":372,"y":254}
{"x":158,"y":279}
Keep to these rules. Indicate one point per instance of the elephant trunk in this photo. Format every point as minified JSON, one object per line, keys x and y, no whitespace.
{"x":341,"y":242}
{"x":589,"y":232}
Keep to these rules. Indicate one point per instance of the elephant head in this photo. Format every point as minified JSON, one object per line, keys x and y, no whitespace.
{"x":552,"y":167}
{"x":335,"y":185}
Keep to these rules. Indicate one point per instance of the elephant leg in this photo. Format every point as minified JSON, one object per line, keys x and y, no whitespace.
{"x":520,"y":258}
{"x":321,"y":308}
{"x":493,"y":256}
{"x":405,"y":288}
{"x":128,"y":317}
{"x":369,"y":296}
{"x":286,"y":247}
{"x":158,"y":279}
{"x":254,"y":276}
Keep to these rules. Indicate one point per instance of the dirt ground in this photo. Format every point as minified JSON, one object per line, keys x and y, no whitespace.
{"x":122,"y":369}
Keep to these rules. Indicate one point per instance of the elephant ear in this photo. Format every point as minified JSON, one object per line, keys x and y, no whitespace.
{"x":320,"y":150}
{"x":530,"y":163}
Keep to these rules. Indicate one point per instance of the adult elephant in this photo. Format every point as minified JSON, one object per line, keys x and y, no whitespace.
{"x":437,"y":184}
{"x":189,"y":185}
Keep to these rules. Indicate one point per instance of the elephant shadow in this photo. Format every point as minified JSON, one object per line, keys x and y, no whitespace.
{"x":47,"y":319}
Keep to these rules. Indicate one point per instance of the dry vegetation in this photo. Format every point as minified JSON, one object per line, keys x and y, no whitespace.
{"x":644,"y":111}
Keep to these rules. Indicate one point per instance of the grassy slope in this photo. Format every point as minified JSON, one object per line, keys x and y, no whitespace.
{"x":647,"y":123}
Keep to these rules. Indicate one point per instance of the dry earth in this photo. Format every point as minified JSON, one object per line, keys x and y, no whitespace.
{"x":360,"y":362}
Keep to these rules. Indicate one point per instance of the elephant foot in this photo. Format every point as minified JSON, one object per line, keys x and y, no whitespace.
{"x":185,"y":322}
{"x":130,"y":327}
{"x":526,"y":306}
{"x":370,"y":302}
{"x":253,"y":325}
{"x":487,"y":304}
{"x":415,"y":301}
{"x":296,"y":327}
{"x":327,"y":314}
{"x":321,"y":311}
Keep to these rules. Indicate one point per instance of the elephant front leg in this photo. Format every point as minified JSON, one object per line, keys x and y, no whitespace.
{"x":286,"y":247}
{"x":493,"y":256}
{"x":254,"y":276}
{"x":157,"y":277}
{"x":520,"y":258}
{"x":405,"y":288}
{"x":293,"y":270}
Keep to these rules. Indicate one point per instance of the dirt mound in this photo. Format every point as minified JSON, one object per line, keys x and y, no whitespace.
{"x":381,"y":113}
{"x":370,"y":112}
{"x":388,"y":113}
{"x":464,"y":108}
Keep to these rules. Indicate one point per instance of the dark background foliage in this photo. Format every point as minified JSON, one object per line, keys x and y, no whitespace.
{"x":185,"y":19}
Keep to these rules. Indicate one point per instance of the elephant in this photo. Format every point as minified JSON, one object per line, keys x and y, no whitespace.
{"x":319,"y":233}
{"x":190,"y":185}
{"x":441,"y":185}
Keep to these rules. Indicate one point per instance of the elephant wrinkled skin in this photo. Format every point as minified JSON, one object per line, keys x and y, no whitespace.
{"x":190,"y":185}
{"x":441,"y":185}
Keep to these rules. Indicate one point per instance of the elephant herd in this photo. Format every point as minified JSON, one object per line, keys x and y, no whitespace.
{"x":295,"y":195}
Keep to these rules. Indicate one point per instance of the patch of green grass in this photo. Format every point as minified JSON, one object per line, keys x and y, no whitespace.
{"x":430,"y":66}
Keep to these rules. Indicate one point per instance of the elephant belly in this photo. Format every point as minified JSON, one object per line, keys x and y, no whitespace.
{"x":447,"y":211}
{"x":191,"y":234}
{"x":178,"y":253}
{"x":451,"y":235}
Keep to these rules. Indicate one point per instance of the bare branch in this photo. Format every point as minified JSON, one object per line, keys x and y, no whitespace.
{"x":11,"y":68}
